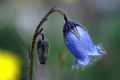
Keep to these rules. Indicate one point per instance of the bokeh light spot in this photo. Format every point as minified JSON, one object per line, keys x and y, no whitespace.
{"x":10,"y":66}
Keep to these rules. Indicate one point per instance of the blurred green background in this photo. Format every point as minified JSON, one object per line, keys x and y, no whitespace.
{"x":19,"y":19}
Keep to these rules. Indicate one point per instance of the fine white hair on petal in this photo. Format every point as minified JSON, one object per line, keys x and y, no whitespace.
{"x":100,"y":49}
{"x":97,"y":51}
{"x":80,"y":44}
{"x":80,"y":63}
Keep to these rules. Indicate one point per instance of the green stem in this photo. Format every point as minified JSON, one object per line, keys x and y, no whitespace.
{"x":38,"y":31}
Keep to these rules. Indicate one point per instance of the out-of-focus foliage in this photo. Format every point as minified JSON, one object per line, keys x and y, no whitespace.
{"x":19,"y":18}
{"x":11,"y":41}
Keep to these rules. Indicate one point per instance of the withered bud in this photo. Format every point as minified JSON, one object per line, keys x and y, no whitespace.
{"x":42,"y":49}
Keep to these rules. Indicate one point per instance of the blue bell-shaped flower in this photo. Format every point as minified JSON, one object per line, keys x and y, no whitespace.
{"x":80,"y":44}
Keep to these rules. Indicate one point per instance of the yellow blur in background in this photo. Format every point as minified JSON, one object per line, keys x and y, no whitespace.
{"x":10,"y":66}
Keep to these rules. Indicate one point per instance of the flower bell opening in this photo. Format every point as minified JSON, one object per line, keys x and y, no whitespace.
{"x":80,"y":44}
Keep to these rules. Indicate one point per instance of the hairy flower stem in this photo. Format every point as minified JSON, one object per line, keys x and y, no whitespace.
{"x":38,"y":31}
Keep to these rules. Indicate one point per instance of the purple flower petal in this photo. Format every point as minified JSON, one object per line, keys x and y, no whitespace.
{"x":80,"y":44}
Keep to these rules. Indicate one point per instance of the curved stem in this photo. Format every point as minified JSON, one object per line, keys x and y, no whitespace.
{"x":38,"y":31}
{"x":31,"y":54}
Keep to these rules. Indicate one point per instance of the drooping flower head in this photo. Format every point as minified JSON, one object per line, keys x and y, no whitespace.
{"x":42,"y":49}
{"x":80,"y":44}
